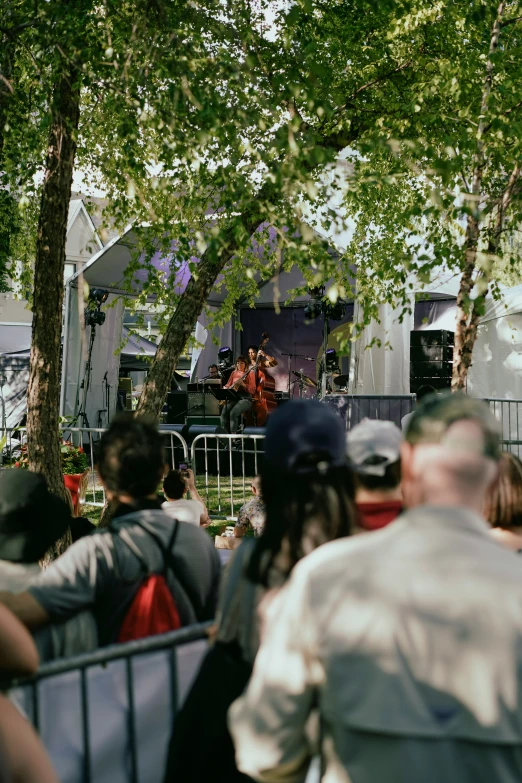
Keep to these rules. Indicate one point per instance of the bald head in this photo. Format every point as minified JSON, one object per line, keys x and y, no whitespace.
{"x":450,"y":457}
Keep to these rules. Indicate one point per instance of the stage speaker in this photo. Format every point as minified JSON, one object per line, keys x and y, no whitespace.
{"x":177,"y":407}
{"x":431,"y":359}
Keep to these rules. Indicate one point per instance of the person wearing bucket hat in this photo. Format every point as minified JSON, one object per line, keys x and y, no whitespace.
{"x":32,"y":519}
{"x":373,"y":448}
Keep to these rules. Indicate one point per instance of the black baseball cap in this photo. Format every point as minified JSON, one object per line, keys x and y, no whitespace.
{"x":304,"y":436}
{"x":31,"y":517}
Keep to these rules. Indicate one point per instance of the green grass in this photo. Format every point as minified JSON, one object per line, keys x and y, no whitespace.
{"x":209,"y":493}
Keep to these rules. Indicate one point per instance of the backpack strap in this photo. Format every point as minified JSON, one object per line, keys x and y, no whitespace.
{"x":168,"y":560}
{"x":168,"y":557}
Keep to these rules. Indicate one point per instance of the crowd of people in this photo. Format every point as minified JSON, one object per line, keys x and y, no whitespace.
{"x":371,"y":621}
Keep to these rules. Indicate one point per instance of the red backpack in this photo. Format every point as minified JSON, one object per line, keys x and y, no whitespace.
{"x":153,"y":609}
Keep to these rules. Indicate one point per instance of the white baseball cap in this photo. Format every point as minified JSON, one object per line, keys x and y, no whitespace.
{"x":373,"y":438}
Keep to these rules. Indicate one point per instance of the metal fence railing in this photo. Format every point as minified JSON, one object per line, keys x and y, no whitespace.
{"x":354,"y":407}
{"x":509,"y":415}
{"x":106,"y":716}
{"x":176,"y":450}
{"x":224,"y":466}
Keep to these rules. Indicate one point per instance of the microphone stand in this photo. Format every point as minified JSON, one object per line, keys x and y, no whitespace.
{"x":295,"y":356}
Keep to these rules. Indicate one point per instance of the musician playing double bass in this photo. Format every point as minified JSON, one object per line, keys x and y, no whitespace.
{"x":260,"y":361}
{"x":246,"y":388}
{"x":255,"y":353}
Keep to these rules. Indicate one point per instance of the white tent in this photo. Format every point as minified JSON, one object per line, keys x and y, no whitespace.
{"x":380,"y":361}
{"x":379,"y":370}
{"x":106,"y":270}
{"x":497,"y":357}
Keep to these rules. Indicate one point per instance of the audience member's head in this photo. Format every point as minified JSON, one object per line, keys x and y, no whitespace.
{"x":424,"y":391}
{"x":130,"y":458}
{"x":306,"y":486}
{"x":451,"y":452}
{"x":256,"y":486}
{"x":174,"y":485}
{"x":503,"y":508}
{"x":32,"y":519}
{"x":373,"y":448}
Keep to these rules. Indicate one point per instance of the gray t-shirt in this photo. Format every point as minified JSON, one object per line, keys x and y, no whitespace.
{"x":102,"y":573}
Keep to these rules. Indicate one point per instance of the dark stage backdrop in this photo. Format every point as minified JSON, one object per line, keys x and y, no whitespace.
{"x":289,"y":332}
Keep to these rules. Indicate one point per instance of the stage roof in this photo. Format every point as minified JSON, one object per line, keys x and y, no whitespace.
{"x":107,"y":268}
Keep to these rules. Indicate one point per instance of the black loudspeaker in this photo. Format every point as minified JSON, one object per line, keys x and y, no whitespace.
{"x":177,"y":404}
{"x":431,"y":359}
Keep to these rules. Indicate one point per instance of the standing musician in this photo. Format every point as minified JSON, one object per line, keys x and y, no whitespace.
{"x":265,"y":361}
{"x":233,"y":410}
{"x":265,"y":384}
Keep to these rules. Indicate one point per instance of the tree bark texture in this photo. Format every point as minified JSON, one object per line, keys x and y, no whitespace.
{"x":43,"y":432}
{"x":8,"y":207}
{"x":468,"y":312}
{"x":468,"y":329}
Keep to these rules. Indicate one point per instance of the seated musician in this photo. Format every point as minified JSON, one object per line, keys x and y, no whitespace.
{"x":246,"y":388}
{"x":213,"y":372}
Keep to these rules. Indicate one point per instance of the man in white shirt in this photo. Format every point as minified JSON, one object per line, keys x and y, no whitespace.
{"x":194,"y":511}
{"x":407,"y":642}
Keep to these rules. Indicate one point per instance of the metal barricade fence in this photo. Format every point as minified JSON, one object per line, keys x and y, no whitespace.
{"x":223,"y":470}
{"x":87,"y":437}
{"x":509,"y":414}
{"x":352,"y":408}
{"x":229,"y":463}
{"x":107,"y":716}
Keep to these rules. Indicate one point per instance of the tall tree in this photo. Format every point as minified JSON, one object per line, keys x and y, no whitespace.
{"x":44,"y":380}
{"x":444,"y":190}
{"x":309,"y":107}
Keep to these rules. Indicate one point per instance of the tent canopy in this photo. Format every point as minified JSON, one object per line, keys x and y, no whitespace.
{"x":107,"y":270}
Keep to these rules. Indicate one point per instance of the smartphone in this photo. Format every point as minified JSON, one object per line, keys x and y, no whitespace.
{"x":183,"y":469}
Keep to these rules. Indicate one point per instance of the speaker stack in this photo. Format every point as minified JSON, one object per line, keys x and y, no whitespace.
{"x":431,"y":359}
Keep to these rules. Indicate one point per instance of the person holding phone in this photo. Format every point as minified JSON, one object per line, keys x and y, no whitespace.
{"x":175,"y":485}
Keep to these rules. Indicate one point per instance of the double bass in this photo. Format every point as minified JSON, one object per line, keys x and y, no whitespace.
{"x":264,"y":398}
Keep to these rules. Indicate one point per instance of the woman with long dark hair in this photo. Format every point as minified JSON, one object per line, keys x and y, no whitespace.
{"x":308,"y":492}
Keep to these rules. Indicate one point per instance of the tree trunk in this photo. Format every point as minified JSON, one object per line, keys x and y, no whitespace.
{"x":465,"y":334}
{"x":8,"y":207}
{"x":468,"y":312}
{"x":43,"y":433}
{"x":468,"y":319}
{"x":190,"y":305}
{"x":180,"y":326}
